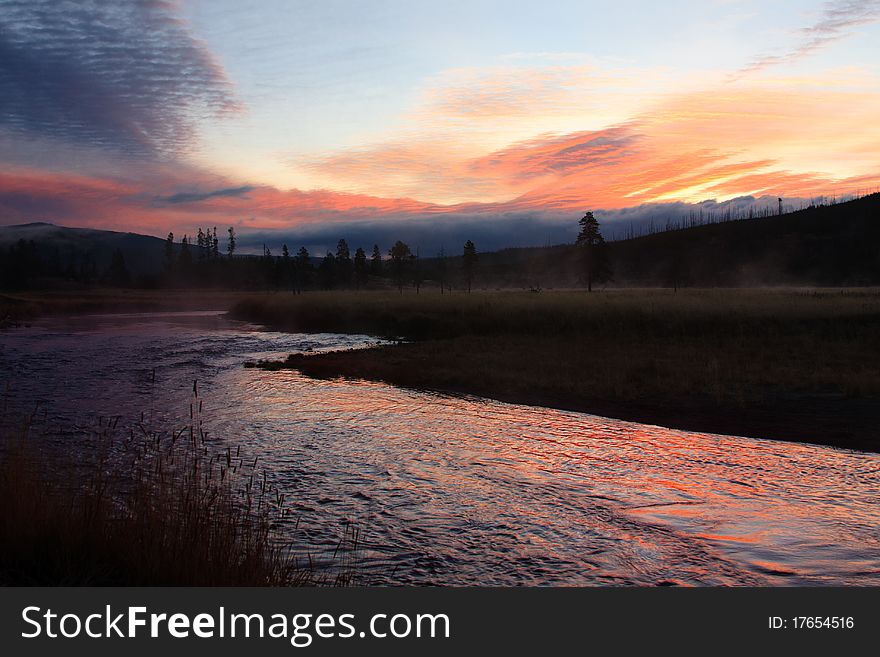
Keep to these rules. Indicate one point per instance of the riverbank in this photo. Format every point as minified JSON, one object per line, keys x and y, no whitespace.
{"x":783,"y":364}
{"x":17,"y":308}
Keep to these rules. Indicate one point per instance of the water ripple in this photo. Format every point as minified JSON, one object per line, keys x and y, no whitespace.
{"x":459,"y":490}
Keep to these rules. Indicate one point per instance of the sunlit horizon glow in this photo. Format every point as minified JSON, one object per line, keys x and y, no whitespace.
{"x":162,"y":115}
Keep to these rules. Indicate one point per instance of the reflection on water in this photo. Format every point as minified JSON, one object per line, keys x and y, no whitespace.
{"x":452,"y":490}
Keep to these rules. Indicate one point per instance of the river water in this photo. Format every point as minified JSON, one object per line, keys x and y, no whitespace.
{"x":461,"y":490}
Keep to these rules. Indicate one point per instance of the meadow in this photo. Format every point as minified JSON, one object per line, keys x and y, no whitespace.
{"x":23,"y":306}
{"x":794,"y":364}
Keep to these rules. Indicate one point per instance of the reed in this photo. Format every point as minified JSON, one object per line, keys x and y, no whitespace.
{"x":145,"y":507}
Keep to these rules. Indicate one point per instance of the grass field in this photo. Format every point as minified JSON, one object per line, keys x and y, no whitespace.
{"x":797,"y":364}
{"x":21,"y":307}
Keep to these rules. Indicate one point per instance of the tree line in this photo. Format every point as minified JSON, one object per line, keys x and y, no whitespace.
{"x":206,"y":261}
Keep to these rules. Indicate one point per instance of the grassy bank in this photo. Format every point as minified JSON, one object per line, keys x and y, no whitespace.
{"x":785,"y":364}
{"x":142,"y":509}
{"x":22,"y":307}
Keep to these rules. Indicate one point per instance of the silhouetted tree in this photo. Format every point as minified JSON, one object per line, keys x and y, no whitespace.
{"x":376,"y":261}
{"x":327,"y":271}
{"x":201,"y":244}
{"x":185,"y":255}
{"x":596,"y":265}
{"x":343,"y":264}
{"x":215,"y":244}
{"x":361,"y":272}
{"x":442,"y":269}
{"x":470,"y":263}
{"x":270,"y":271}
{"x":302,"y":267}
{"x":400,"y":254}
{"x":287,"y":269}
{"x":416,"y":270}
{"x":21,"y":265}
{"x":169,"y":251}
{"x":230,"y":241}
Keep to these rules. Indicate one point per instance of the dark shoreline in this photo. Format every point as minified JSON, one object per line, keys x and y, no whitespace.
{"x":829,"y":420}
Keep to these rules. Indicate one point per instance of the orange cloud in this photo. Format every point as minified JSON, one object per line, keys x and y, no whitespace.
{"x":813,"y":134}
{"x":30,"y":195}
{"x":800,"y":137}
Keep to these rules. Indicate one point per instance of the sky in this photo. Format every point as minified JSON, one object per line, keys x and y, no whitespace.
{"x":305,"y":121}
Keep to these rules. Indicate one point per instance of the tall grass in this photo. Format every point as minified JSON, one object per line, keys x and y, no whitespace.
{"x":651,"y":314}
{"x":141,"y":507}
{"x":793,"y":363}
{"x":22,"y":307}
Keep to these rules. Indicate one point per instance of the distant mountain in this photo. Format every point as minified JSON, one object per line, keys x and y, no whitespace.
{"x":65,"y":246}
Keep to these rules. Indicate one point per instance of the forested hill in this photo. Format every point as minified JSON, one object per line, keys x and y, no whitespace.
{"x":60,"y":250}
{"x":823,"y":245}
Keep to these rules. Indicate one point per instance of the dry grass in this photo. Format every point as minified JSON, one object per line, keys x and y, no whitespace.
{"x":793,"y":363}
{"x":432,"y":315}
{"x":16,"y":308}
{"x":727,"y":344}
{"x":146,"y":508}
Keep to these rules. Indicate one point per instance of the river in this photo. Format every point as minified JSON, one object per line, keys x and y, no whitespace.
{"x":465,"y":491}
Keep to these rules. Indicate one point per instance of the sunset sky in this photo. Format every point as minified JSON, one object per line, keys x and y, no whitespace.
{"x":315,"y":118}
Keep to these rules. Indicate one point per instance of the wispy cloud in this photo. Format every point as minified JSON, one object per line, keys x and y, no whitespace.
{"x":126,"y":76}
{"x":195,"y":197}
{"x":836,"y":21}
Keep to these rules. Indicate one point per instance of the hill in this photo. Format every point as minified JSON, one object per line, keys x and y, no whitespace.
{"x":61,"y":249}
{"x":822,"y":245}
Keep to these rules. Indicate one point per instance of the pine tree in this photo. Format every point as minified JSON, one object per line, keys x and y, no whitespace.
{"x":596,"y":265}
{"x":327,"y":271}
{"x":400,"y":254}
{"x":185,"y":255}
{"x":376,"y":261}
{"x":416,"y":270}
{"x":343,"y":264}
{"x":230,"y":246}
{"x":470,"y":263}
{"x":442,"y":269}
{"x":201,"y":243}
{"x":302,"y":265}
{"x":361,"y":272}
{"x":169,"y":251}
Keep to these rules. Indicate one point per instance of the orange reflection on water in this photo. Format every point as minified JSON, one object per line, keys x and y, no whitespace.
{"x":638,"y":499}
{"x":458,"y":490}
